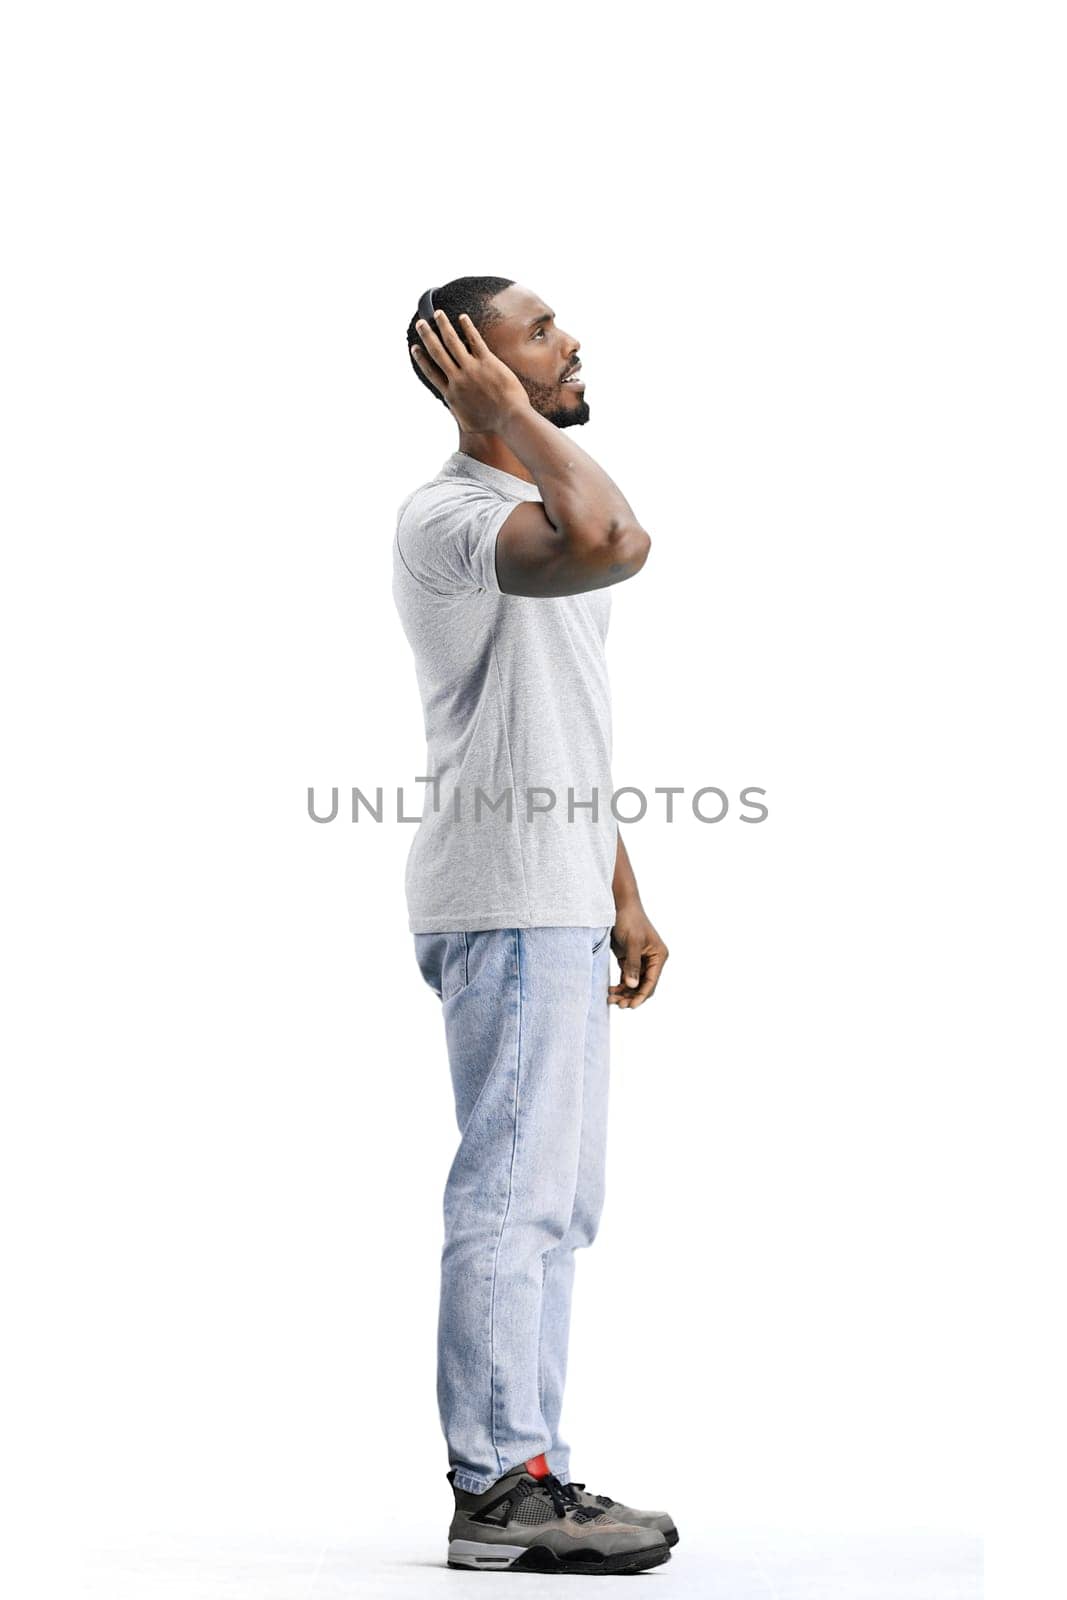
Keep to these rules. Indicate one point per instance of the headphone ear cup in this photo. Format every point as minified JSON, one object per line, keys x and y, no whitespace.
{"x":426,"y":311}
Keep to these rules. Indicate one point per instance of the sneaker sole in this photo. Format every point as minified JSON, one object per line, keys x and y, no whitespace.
{"x":468,"y":1555}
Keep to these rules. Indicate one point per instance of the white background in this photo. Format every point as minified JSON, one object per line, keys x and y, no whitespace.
{"x":814,"y":255}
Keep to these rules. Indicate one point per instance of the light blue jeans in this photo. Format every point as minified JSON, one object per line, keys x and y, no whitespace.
{"x":526,"y":1025}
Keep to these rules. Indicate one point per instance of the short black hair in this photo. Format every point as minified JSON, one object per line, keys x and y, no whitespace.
{"x":472,"y":295}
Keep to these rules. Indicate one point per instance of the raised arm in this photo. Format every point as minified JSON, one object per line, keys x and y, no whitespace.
{"x":584,"y":534}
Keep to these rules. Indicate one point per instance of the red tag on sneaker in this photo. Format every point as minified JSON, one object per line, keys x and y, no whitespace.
{"x":537,"y":1467}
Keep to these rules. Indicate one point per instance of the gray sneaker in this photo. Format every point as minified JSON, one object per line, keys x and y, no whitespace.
{"x":524,"y":1523}
{"x":575,"y":1493}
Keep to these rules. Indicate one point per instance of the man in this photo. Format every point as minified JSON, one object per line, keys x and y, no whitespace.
{"x":518,"y":885}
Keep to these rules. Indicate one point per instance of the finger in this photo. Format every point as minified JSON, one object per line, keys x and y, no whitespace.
{"x":651,"y":976}
{"x":449,"y":336}
{"x":428,"y":334}
{"x":474,"y":338}
{"x":426,"y":366}
{"x":619,"y":995}
{"x":630,"y":968}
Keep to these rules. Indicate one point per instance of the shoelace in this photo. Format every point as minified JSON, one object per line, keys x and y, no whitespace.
{"x":602,"y":1499}
{"x":564,"y":1503}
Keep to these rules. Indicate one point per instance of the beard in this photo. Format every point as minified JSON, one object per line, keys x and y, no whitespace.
{"x":545,"y":399}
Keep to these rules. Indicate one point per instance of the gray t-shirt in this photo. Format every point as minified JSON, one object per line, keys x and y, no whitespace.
{"x":516,"y":701}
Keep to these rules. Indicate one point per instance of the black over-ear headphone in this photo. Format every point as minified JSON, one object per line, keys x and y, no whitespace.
{"x":425,"y":314}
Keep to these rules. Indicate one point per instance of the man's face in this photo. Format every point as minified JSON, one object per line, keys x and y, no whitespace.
{"x":540,"y":355}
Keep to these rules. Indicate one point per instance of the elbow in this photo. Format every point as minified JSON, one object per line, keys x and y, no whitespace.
{"x":630,"y":545}
{"x":609,"y":554}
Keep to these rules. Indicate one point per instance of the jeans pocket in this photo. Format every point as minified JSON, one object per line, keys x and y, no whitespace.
{"x":443,"y":960}
{"x":458,"y":968}
{"x":598,"y":944}
{"x":428,"y":953}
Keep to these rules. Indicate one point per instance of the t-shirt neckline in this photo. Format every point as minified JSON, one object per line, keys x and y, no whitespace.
{"x":459,"y":464}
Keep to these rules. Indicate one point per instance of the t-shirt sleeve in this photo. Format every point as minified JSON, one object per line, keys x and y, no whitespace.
{"x":447,"y":536}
